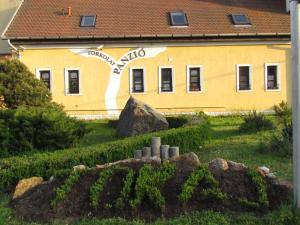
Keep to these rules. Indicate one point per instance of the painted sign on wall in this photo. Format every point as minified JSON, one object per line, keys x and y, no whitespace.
{"x":117,"y":68}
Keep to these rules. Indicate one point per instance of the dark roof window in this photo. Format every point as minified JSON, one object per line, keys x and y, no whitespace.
{"x":88,"y":21}
{"x":178,"y":19}
{"x":240,"y":19}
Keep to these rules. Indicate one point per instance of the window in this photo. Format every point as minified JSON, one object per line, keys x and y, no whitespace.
{"x":45,"y":76}
{"x":272,"y":78}
{"x":137,"y":80}
{"x":240,"y":19}
{"x":166,"y":80}
{"x":72,"y":81}
{"x":178,"y":19}
{"x":244,"y":77}
{"x":88,"y":21}
{"x":194,"y":79}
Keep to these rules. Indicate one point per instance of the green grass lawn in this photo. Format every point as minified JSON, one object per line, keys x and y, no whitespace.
{"x":228,"y":143}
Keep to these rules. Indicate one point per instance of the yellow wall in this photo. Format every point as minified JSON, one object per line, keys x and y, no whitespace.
{"x":219,"y":70}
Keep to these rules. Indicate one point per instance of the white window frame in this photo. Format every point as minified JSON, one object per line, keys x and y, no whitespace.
{"x":250,"y":78}
{"x":278,"y":75}
{"x":67,"y":81}
{"x":131,"y":80}
{"x":38,"y":76}
{"x":159,"y":79}
{"x":188,"y":67}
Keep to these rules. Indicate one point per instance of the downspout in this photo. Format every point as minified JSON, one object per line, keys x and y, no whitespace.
{"x":16,"y":50}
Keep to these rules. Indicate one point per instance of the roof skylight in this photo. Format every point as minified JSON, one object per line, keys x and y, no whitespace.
{"x":240,"y":19}
{"x":88,"y":21}
{"x":178,"y":19}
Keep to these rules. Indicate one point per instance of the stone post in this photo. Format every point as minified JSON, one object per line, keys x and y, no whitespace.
{"x":138,"y":154}
{"x":155,"y":146}
{"x":164,"y":152}
{"x":174,"y":152}
{"x":146,"y":152}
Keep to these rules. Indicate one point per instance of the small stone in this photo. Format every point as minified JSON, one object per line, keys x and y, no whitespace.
{"x":271,"y":176}
{"x":25,"y":185}
{"x":79,"y":168}
{"x":217,"y":166}
{"x":263,"y":171}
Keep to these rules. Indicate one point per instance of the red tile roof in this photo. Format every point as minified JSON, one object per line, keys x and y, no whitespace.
{"x":119,"y":18}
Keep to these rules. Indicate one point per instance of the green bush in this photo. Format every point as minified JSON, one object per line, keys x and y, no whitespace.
{"x":282,"y":143}
{"x":46,"y":164}
{"x":255,"y":122}
{"x":204,"y":176}
{"x":284,"y":113}
{"x":148,"y":183}
{"x":177,"y":121}
{"x":261,"y":188}
{"x":62,"y":192}
{"x":19,"y":87}
{"x":34,"y":128}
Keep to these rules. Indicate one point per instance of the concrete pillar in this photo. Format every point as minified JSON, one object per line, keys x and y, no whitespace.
{"x":155,"y":146}
{"x":164,"y":152}
{"x":138,"y":154}
{"x":174,"y":152}
{"x":146,"y":152}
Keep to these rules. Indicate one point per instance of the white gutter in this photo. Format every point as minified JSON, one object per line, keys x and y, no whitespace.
{"x":11,"y":45}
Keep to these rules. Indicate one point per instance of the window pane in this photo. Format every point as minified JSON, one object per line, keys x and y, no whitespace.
{"x":45,"y":77}
{"x":244,"y":78}
{"x":88,"y":21}
{"x":195,"y":79}
{"x":240,"y":19}
{"x":166,"y":80}
{"x":178,"y":19}
{"x":272,"y":77}
{"x":73,"y":82}
{"x":138,"y":80}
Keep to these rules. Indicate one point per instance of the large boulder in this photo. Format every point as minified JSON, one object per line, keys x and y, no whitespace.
{"x":139,"y":118}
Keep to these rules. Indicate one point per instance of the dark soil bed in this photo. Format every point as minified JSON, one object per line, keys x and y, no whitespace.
{"x":34,"y":205}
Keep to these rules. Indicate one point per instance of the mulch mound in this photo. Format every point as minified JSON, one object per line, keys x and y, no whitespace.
{"x":34,"y":205}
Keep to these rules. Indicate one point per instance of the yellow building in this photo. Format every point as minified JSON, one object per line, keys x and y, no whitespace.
{"x":177,"y":55}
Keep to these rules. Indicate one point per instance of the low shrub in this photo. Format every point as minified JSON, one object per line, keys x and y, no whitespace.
{"x":34,"y":128}
{"x":62,"y":192}
{"x":177,"y":121}
{"x":148,"y":183}
{"x":126,"y":190}
{"x":282,"y":143}
{"x":97,"y":188}
{"x":255,"y":122}
{"x":46,"y":164}
{"x":261,"y":188}
{"x":204,"y":176}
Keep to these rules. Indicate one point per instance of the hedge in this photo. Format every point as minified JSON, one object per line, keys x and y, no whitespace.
{"x":46,"y":164}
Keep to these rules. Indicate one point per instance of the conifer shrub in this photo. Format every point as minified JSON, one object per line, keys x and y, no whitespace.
{"x":19,"y":87}
{"x":34,"y":128}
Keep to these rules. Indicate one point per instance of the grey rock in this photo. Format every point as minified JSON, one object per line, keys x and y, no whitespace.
{"x":139,"y":118}
{"x":236,"y":166}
